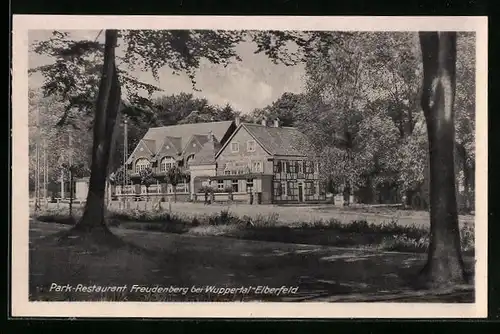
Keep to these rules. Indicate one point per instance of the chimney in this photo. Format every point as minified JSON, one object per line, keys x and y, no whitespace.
{"x":237,"y":121}
{"x":264,"y":121}
{"x":277,"y":123}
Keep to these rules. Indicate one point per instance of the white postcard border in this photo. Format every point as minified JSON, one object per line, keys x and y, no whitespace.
{"x":21,"y":306}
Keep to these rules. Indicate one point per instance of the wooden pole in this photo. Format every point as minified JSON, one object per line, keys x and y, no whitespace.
{"x":70,"y":158}
{"x":62,"y":184}
{"x":125,"y":157}
{"x":37,"y":152}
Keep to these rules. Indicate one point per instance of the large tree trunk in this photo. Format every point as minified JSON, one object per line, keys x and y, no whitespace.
{"x":108,"y":102}
{"x":444,"y":265}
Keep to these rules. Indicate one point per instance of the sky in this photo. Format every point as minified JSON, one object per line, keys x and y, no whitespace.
{"x":255,"y":82}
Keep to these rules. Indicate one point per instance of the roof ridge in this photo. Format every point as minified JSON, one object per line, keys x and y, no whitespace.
{"x":271,"y":127}
{"x":184,"y":124}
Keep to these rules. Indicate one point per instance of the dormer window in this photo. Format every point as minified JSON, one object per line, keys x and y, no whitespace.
{"x":166,"y":164}
{"x":141,"y":164}
{"x":251,"y":146}
{"x":235,"y":147}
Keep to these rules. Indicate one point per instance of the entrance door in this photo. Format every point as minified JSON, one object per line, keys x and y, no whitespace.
{"x":301,"y":192}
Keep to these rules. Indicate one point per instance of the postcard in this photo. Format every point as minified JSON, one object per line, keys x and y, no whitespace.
{"x":249,"y":167}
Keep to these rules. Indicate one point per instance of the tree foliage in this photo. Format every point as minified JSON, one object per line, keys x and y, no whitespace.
{"x":285,"y":109}
{"x":54,"y":141}
{"x":174,"y":176}
{"x":361,"y":107}
{"x":147,"y":178}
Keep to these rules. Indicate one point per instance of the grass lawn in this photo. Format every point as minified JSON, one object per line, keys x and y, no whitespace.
{"x":318,"y":273}
{"x":376,"y":232}
{"x":289,"y":214}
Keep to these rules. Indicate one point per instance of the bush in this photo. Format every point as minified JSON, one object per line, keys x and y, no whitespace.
{"x":271,"y":220}
{"x":467,"y":238}
{"x":205,"y":189}
{"x":403,"y":243}
{"x":223,"y":218}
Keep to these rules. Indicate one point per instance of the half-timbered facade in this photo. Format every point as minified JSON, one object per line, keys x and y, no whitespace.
{"x":277,"y":164}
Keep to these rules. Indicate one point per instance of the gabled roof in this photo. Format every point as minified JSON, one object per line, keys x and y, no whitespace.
{"x":206,"y":156}
{"x":151,"y":145}
{"x":194,"y":144}
{"x":202,"y":139}
{"x":282,"y":141}
{"x":148,"y":144}
{"x":186,"y":131}
{"x":176,"y":143}
{"x":170,"y":144}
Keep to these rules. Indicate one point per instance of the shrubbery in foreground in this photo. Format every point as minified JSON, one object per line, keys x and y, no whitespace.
{"x":359,"y":233}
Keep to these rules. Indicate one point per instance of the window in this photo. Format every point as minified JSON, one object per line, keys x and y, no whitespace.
{"x":309,"y":188}
{"x":227,"y":172}
{"x":220,"y":184}
{"x":291,"y":167}
{"x":249,"y":184}
{"x":189,"y":158}
{"x":300,"y":167}
{"x":277,"y":189}
{"x":235,"y":186}
{"x":292,"y":190}
{"x":277,"y":167}
{"x":251,"y":146}
{"x":235,"y":147}
{"x":166,"y":163}
{"x":257,"y":166}
{"x":141,"y":164}
{"x":308,"y":167}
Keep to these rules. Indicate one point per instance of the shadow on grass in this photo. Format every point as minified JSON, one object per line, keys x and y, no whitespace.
{"x":318,"y":272}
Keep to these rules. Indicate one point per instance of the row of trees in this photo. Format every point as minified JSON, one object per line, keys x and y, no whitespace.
{"x":73,"y":141}
{"x":362,"y":110}
{"x":337,"y":58}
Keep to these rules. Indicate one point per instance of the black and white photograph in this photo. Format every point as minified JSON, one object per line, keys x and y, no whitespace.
{"x":234,"y":165}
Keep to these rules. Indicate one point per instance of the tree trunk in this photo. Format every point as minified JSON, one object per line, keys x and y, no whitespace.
{"x":347,"y":194}
{"x":444,"y":265}
{"x":106,"y":111}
